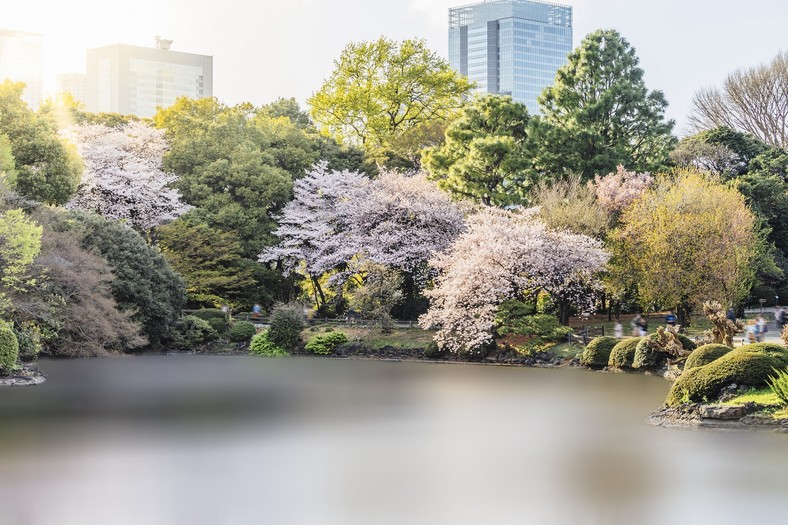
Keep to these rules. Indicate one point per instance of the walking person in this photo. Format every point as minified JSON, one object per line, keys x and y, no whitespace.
{"x":670,"y":319}
{"x":761,"y":328}
{"x":779,"y":318}
{"x":618,"y":330}
{"x":635,"y":324}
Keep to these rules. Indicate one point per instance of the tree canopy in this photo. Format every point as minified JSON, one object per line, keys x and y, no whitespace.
{"x":599,"y":114}
{"x":484,"y":157}
{"x":687,"y":240}
{"x":383,"y":90}
{"x":751,"y":100}
{"x":47,"y":167}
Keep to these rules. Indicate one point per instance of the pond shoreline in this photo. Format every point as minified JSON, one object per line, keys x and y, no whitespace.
{"x":27,"y":375}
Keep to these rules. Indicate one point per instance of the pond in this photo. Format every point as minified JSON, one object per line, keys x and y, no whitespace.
{"x":235,"y":440}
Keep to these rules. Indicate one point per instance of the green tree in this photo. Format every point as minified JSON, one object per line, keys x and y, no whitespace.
{"x":20,"y":243}
{"x":599,"y":114}
{"x":686,"y":241}
{"x":144,"y":282}
{"x":210,"y":261}
{"x":484,"y":155}
{"x":383,"y":89}
{"x":48,"y":168}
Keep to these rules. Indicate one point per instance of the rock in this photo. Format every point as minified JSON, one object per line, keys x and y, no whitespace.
{"x":726,"y":412}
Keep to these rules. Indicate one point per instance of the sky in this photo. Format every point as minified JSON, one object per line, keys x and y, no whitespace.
{"x":265,"y":49}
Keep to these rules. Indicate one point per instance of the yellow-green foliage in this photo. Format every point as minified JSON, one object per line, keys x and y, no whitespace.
{"x":623,"y":353}
{"x":325,"y":344}
{"x":703,"y":355}
{"x":597,"y":353}
{"x":262,"y":346}
{"x":20,"y":242}
{"x":688,"y":239}
{"x":9,"y":349}
{"x":750,"y":365}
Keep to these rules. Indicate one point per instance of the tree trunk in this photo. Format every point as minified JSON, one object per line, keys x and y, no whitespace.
{"x":683,"y":314}
{"x":564,"y":309}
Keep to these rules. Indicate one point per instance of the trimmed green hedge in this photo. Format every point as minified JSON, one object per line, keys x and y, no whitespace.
{"x":623,"y":353}
{"x":325,"y":344}
{"x":703,"y":355}
{"x":749,"y":365}
{"x":9,"y":349}
{"x":242,"y":331}
{"x":597,"y":352}
{"x":262,"y":346}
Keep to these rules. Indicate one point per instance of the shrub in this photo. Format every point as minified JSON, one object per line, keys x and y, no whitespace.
{"x":9,"y":349}
{"x":144,"y":283}
{"x":779,"y":385}
{"x":546,"y":328}
{"x":703,"y":355}
{"x":217,"y":318}
{"x":687,"y":343}
{"x":326,"y":343}
{"x":597,"y":353}
{"x":646,"y":355}
{"x":749,"y":365}
{"x":262,"y":346}
{"x":433,"y":351}
{"x":192,"y":332}
{"x":242,"y":331}
{"x":623,"y":354}
{"x":287,"y":321}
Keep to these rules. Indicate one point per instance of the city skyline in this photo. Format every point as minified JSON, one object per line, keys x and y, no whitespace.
{"x":265,"y":51}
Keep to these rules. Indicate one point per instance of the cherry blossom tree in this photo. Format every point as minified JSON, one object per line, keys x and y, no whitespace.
{"x":618,"y":190}
{"x":338,"y":221}
{"x":123,"y":176}
{"x":503,"y":255}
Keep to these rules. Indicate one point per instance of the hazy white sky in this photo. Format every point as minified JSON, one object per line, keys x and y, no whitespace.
{"x":265,"y":49}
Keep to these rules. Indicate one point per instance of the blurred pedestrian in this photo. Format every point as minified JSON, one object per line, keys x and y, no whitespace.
{"x":618,"y":329}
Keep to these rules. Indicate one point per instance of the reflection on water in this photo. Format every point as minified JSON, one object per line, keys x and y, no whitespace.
{"x":196,"y":440}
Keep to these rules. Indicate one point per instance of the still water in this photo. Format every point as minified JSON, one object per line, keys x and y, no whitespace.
{"x":234,"y":440}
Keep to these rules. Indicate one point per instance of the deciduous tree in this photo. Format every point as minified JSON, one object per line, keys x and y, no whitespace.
{"x":504,"y":255}
{"x":382,"y":89}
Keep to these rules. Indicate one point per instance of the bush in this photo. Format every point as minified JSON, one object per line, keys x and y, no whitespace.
{"x":645,"y":355}
{"x":623,"y":354}
{"x":144,"y":283}
{"x":513,"y":320}
{"x":749,"y":365}
{"x":687,"y":343}
{"x":779,"y":385}
{"x":287,"y":321}
{"x":262,"y":346}
{"x":703,"y":355}
{"x":326,"y":343}
{"x":9,"y":349}
{"x":433,"y":351}
{"x":218,"y":319}
{"x":597,"y":353}
{"x":242,"y":331}
{"x":192,"y":332}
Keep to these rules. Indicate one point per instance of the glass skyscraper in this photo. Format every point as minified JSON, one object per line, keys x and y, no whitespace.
{"x":510,"y":47}
{"x":21,"y":60}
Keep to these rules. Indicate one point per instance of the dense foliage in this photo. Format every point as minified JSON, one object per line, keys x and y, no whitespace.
{"x":325,"y":344}
{"x":262,"y":346}
{"x":385,"y":96}
{"x":9,"y":349}
{"x":597,"y":351}
{"x":287,"y":322}
{"x":598,"y":113}
{"x":47,"y":167}
{"x":484,"y":157}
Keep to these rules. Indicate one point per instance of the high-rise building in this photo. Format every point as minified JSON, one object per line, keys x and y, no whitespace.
{"x":21,"y":60}
{"x":74,"y":84}
{"x":510,"y":47}
{"x":136,"y":80}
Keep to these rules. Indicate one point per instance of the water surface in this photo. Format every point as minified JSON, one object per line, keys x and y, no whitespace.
{"x":234,"y":440}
